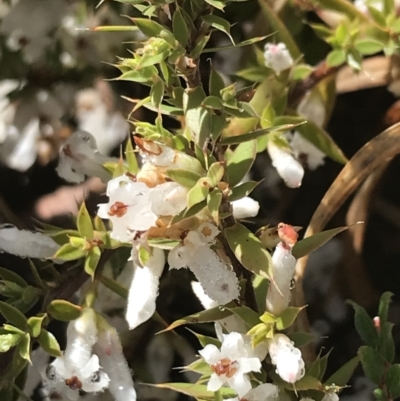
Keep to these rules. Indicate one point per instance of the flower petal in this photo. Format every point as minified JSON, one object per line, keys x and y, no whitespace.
{"x":210,"y":354}
{"x":215,"y":382}
{"x":240,"y":383}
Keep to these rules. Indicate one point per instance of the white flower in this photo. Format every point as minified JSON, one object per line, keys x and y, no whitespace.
{"x":144,"y":289}
{"x":277,"y":57}
{"x":231,"y":364}
{"x":26,"y":243}
{"x":287,"y":358}
{"x":217,"y":280}
{"x":109,"y":350}
{"x":244,"y":208}
{"x":79,"y":369}
{"x":327,"y":397}
{"x":168,"y":199}
{"x":129,"y":208}
{"x":290,"y":170}
{"x":263,"y":392}
{"x":303,"y":149}
{"x":79,"y":157}
{"x":283,"y":265}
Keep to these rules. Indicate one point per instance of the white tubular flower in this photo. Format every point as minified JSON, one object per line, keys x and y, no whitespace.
{"x":109,"y":350}
{"x":283,"y":265}
{"x":231,"y":364}
{"x":217,"y":280}
{"x":277,"y":57}
{"x":26,"y":243}
{"x":78,"y":370}
{"x":129,"y":208}
{"x":303,"y":149}
{"x":263,"y":392}
{"x":245,"y":208}
{"x":79,"y":157}
{"x":287,"y":358}
{"x":290,"y":170}
{"x":144,"y":289}
{"x":168,"y":199}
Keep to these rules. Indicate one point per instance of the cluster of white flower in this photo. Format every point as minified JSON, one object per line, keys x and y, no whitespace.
{"x":92,"y":362}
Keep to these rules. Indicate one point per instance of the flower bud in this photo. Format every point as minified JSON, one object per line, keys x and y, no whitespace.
{"x":277,"y":57}
{"x":245,"y":208}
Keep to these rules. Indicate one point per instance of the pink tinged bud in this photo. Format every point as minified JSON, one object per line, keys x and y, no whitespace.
{"x":288,"y":168}
{"x":287,"y":358}
{"x":144,"y":289}
{"x":277,"y":57}
{"x":377,"y":323}
{"x":113,"y":362}
{"x":278,"y":295}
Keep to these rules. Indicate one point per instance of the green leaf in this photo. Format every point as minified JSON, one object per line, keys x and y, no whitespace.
{"x":35,"y":324}
{"x":336,"y":57}
{"x":345,"y":7}
{"x":392,"y":380}
{"x":8,"y":341}
{"x":364,"y":325}
{"x":199,"y":47}
{"x":216,"y":83}
{"x":186,"y":178}
{"x":377,"y":16}
{"x":301,"y":339}
{"x":198,"y":391}
{"x":386,"y":299}
{"x":213,"y":203}
{"x":287,"y":317}
{"x":64,"y":310}
{"x":220,"y":4}
{"x":205,"y":316}
{"x":386,"y":343}
{"x":310,"y":244}
{"x":213,"y":102}
{"x":69,"y":252}
{"x":198,"y":366}
{"x":205,"y":340}
{"x":49,"y":343}
{"x":369,"y":46}
{"x":249,"y":250}
{"x":92,"y":260}
{"x":9,"y":275}
{"x":220,"y":24}
{"x":84,"y":223}
{"x":180,"y":28}
{"x":198,"y":193}
{"x":13,"y":315}
{"x":148,"y":27}
{"x":241,"y":44}
{"x":157,"y":93}
{"x":342,"y":376}
{"x":163,"y":243}
{"x":215,"y":173}
{"x":242,"y":190}
{"x":24,"y":347}
{"x":249,"y":317}
{"x":281,"y":30}
{"x":239,"y":162}
{"x":372,"y":363}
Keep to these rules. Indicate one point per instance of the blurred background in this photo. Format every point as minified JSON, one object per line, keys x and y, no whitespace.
{"x":57,"y":75}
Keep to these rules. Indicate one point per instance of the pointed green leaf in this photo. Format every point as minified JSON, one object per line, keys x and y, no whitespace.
{"x":13,"y":315}
{"x":69,"y":252}
{"x":49,"y":343}
{"x":219,"y":23}
{"x":205,"y":340}
{"x":386,"y":342}
{"x":198,"y":193}
{"x":310,"y":244}
{"x":64,"y":310}
{"x":301,"y":339}
{"x":384,"y":303}
{"x":92,"y":260}
{"x":364,"y":325}
{"x":205,"y":316}
{"x":180,"y":28}
{"x":288,"y":316}
{"x":9,"y":275}
{"x":198,"y":366}
{"x":148,"y":27}
{"x":35,"y":324}
{"x":8,"y":341}
{"x":157,"y":93}
{"x":392,"y":380}
{"x":163,"y":243}
{"x":372,"y":363}
{"x":239,"y":162}
{"x":242,"y":190}
{"x":216,"y":83}
{"x":215,"y":173}
{"x":199,"y":47}
{"x":249,"y":250}
{"x":336,"y":57}
{"x":24,"y":347}
{"x":186,"y":178}
{"x":246,"y":314}
{"x":241,"y":44}
{"x":213,"y":203}
{"x":342,"y":376}
{"x":369,"y":46}
{"x":84,"y":223}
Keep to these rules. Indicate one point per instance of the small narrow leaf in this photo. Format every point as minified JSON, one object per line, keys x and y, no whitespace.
{"x":242,"y":190}
{"x":386,"y":342}
{"x":8,"y":341}
{"x":364,"y":325}
{"x":49,"y":343}
{"x":148,"y":27}
{"x":9,"y":275}
{"x":215,"y":173}
{"x":35,"y":325}
{"x":288,"y":316}
{"x":384,"y":303}
{"x":13,"y":315}
{"x":372,"y":363}
{"x":186,"y":178}
{"x":216,"y":83}
{"x":392,"y":380}
{"x":24,"y":347}
{"x":219,"y":23}
{"x":248,"y":316}
{"x":64,"y":310}
{"x":84,"y":223}
{"x":198,"y":193}
{"x":342,"y":376}
{"x":213,"y":203}
{"x":180,"y":28}
{"x":69,"y":252}
{"x":92,"y":260}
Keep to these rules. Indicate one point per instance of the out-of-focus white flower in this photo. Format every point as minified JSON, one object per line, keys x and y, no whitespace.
{"x":231,"y":364}
{"x":245,"y":208}
{"x":26,"y":244}
{"x":79,"y":157}
{"x":362,"y":5}
{"x":283,"y":265}
{"x":312,"y":107}
{"x":144,"y":289}
{"x":109,"y":350}
{"x":263,"y":392}
{"x":79,"y":369}
{"x":277,"y":57}
{"x":303,"y":149}
{"x":327,"y":397}
{"x":287,"y":358}
{"x":290,"y":170}
{"x":217,"y":280}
